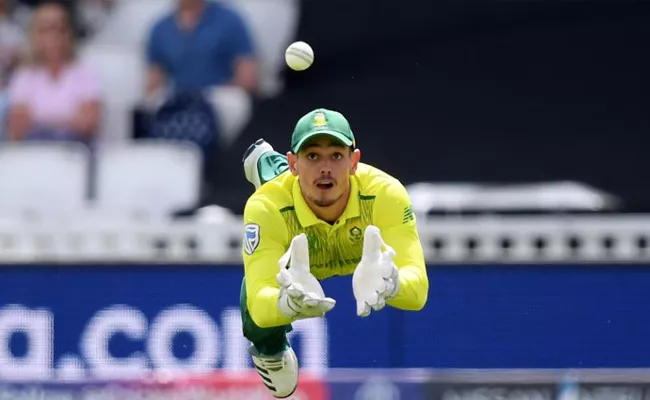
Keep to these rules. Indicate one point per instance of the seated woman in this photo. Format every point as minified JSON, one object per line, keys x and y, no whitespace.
{"x":12,"y":40}
{"x":53,"y":96}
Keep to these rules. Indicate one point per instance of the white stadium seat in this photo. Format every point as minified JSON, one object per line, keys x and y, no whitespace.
{"x":130,"y":22}
{"x":154,"y":178}
{"x":43,"y":178}
{"x":120,"y":71}
{"x":546,"y":196}
{"x":273,"y":25}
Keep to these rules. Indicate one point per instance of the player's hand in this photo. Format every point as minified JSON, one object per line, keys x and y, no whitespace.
{"x":301,"y":295}
{"x":376,"y":278}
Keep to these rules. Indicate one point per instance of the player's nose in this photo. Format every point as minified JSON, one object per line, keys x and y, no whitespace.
{"x":325,"y":169}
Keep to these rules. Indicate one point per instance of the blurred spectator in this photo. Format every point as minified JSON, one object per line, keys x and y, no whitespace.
{"x":53,"y":97}
{"x":12,"y":41}
{"x":205,"y":47}
{"x":92,"y":14}
{"x":87,"y":16}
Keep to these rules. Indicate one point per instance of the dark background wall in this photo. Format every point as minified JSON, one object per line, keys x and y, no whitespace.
{"x":485,"y":91}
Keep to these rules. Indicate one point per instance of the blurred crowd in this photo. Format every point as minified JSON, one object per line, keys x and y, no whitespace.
{"x":201,"y":73}
{"x":46,"y":93}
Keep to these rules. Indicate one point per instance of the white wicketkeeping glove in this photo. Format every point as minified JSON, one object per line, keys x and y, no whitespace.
{"x":301,"y":295}
{"x":376,"y":278}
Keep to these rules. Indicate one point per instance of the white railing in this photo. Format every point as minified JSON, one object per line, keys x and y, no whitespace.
{"x":538,"y":239}
{"x":445,"y":240}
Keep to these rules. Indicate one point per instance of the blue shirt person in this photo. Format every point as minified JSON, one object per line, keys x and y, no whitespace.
{"x":199,"y":45}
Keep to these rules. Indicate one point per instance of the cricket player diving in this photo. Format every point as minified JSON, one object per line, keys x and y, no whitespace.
{"x":316,"y":213}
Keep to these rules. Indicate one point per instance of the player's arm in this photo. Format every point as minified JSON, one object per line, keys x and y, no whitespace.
{"x":396,"y":221}
{"x":261,"y":262}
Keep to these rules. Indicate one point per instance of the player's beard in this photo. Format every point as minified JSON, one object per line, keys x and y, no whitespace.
{"x":325,"y":202}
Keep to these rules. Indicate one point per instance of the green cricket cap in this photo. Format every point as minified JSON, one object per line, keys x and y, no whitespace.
{"x":322,"y":122}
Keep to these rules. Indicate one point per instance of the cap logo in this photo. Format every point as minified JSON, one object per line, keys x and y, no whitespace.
{"x":319,"y":120}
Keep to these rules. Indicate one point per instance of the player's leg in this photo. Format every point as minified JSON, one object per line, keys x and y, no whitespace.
{"x":262,"y":163}
{"x":274,"y":359}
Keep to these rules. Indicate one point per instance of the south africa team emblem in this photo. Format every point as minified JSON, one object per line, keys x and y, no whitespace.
{"x":251,"y":238}
{"x":355,"y":234}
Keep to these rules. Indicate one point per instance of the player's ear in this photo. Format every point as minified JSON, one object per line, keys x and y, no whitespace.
{"x":355,"y":157}
{"x":292,"y":159}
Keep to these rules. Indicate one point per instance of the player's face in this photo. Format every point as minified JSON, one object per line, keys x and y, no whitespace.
{"x":323,"y":167}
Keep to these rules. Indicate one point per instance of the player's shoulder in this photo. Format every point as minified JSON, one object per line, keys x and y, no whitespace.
{"x":376,"y":182}
{"x":392,"y":203}
{"x":274,"y":195}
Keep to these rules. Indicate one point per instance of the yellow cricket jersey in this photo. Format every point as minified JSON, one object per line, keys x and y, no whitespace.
{"x":277,"y":212}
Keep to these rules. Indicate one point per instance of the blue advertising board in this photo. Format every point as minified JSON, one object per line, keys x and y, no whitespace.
{"x":532,"y":316}
{"x":107,"y":321}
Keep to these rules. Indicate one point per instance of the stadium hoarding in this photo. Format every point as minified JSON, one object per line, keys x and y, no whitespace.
{"x":537,"y":391}
{"x":217,"y":386}
{"x":539,"y":384}
{"x":358,"y":384}
{"x":111,"y":321}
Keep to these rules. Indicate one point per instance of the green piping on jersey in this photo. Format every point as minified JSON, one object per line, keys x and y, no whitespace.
{"x":287,"y":208}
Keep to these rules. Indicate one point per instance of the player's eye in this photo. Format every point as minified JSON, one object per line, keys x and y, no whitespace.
{"x":337,"y":156}
{"x":312,"y":156}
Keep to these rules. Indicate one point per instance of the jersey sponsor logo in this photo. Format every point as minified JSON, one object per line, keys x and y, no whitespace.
{"x":252,"y":238}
